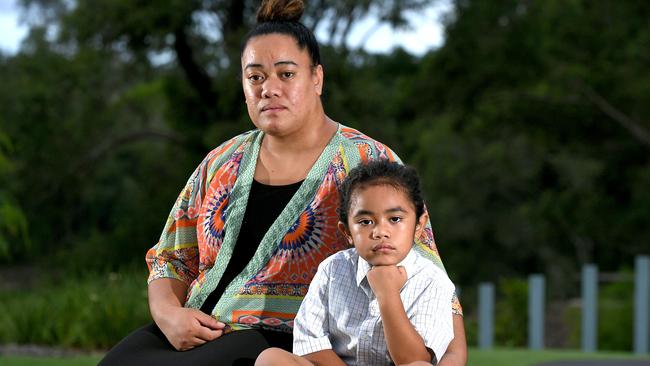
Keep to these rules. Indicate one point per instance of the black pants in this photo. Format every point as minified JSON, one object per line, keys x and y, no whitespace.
{"x":148,"y":346}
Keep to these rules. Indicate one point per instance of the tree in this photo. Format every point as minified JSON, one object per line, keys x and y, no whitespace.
{"x":128,"y":96}
{"x":13,"y":225}
{"x":533,"y":134}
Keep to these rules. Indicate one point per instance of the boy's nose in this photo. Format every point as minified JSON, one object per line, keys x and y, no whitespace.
{"x":380,"y":231}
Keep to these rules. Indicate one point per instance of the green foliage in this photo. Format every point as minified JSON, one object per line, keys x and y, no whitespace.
{"x":511,"y":315}
{"x":524,"y":164}
{"x":615,"y":316}
{"x":13,"y":225}
{"x":526,"y":125}
{"x":93,"y":311}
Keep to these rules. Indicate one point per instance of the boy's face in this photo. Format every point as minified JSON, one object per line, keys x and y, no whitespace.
{"x":382,"y":224}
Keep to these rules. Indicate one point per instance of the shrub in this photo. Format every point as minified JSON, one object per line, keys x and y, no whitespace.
{"x":511,"y":308}
{"x":89,"y":312}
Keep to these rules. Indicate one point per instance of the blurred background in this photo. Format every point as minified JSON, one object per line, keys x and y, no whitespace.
{"x":529,"y":122}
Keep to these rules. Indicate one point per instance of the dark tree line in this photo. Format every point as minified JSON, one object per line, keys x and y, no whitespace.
{"x":529,"y":125}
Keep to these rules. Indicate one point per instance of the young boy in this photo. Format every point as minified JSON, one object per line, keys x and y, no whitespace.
{"x":380,"y":302}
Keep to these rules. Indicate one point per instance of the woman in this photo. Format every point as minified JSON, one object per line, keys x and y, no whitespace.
{"x":258,"y":215}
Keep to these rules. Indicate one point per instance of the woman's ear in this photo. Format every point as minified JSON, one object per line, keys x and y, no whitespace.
{"x":422,"y":223}
{"x":346,"y":232}
{"x":318,"y":79}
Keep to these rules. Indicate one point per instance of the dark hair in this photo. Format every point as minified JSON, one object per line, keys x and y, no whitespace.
{"x":283,"y":17}
{"x":380,"y":172}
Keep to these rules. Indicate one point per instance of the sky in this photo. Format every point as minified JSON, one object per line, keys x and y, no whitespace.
{"x":426,"y":32}
{"x":11,"y":33}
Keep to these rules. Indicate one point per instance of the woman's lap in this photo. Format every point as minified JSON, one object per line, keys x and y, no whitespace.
{"x":148,"y":345}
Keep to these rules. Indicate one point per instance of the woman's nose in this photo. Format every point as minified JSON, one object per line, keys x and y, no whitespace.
{"x":271,"y":88}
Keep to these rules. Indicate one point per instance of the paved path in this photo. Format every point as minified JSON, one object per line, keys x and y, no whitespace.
{"x":598,"y":363}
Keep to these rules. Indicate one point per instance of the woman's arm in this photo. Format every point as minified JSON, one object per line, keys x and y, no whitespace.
{"x":184,"y":328}
{"x":456,"y":354}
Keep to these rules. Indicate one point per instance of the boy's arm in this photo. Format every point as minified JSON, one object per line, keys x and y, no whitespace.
{"x":404,"y":343}
{"x":325,"y":357}
{"x":311,"y":326}
{"x":456,"y":354}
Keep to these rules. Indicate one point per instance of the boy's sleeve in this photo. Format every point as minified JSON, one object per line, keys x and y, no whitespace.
{"x":311,"y":326}
{"x":433,"y":317}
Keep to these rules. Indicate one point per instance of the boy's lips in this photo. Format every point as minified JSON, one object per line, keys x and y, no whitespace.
{"x":383,"y":248}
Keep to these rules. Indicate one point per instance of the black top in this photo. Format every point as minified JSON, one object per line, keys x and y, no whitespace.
{"x":265,"y":203}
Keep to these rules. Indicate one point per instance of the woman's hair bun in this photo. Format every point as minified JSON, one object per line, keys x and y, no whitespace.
{"x":280,"y":10}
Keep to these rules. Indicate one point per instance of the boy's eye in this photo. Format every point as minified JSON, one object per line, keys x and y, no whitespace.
{"x":395,"y":219}
{"x":365,"y":222}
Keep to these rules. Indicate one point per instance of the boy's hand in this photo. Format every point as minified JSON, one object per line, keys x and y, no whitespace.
{"x":386,"y":280}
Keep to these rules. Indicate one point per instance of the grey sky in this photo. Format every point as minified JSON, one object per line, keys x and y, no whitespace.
{"x":426,"y":32}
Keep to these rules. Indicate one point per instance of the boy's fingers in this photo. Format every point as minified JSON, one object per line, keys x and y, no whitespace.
{"x":402,"y":272}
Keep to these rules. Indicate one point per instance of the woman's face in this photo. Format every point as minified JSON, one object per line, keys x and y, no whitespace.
{"x":282,"y":89}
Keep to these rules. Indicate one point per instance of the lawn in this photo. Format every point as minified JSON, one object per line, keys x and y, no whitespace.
{"x":522,"y":357}
{"x":47,"y":361}
{"x":500,"y":357}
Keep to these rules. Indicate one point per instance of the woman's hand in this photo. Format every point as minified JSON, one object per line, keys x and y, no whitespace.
{"x":184,"y":328}
{"x":187,"y":328}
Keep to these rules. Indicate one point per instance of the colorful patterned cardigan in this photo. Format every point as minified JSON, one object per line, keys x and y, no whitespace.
{"x":201,"y":231}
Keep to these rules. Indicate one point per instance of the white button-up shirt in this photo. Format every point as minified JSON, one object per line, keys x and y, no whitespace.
{"x":340,"y":311}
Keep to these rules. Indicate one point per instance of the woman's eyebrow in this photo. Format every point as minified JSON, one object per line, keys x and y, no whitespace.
{"x":248,"y":66}
{"x":285,"y":63}
{"x":253,"y":65}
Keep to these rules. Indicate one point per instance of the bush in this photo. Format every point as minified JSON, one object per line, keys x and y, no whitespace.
{"x":511,"y":318}
{"x":89,"y":312}
{"x":615,"y":313}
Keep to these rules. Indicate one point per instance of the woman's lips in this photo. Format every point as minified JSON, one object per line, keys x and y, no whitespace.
{"x":273,"y":108}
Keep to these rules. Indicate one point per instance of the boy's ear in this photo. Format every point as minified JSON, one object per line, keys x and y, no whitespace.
{"x":422,"y":223}
{"x":346,"y":232}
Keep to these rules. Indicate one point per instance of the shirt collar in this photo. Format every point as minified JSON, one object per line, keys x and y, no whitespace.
{"x":410,"y":264}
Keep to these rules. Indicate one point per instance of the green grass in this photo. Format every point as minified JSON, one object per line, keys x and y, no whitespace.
{"x":522,"y":357}
{"x":45,"y":361}
{"x":497,"y":357}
